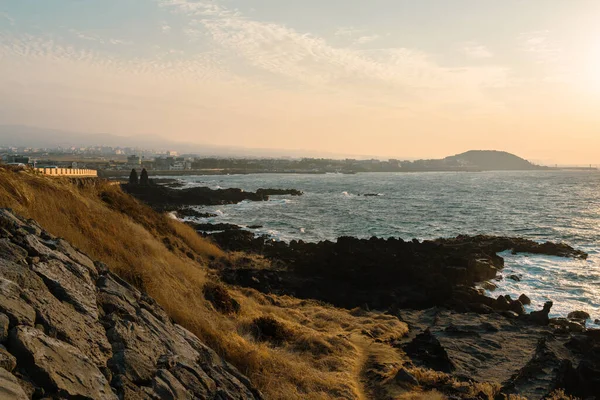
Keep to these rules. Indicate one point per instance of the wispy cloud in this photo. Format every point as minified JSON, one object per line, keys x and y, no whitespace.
{"x":539,"y":44}
{"x":5,"y":16}
{"x":475,"y":50}
{"x":86,"y":36}
{"x":395,"y":73}
{"x":165,"y":28}
{"x":98,"y":39}
{"x":121,"y":42}
{"x":356,"y":36}
{"x":367,"y":39}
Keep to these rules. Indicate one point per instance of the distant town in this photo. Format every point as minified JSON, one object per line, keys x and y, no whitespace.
{"x":119,"y":161}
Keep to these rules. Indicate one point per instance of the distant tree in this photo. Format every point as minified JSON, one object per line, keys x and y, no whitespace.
{"x":144,"y":178}
{"x":133,"y":177}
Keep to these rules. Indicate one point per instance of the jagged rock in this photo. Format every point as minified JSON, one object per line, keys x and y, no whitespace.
{"x":515,"y":278}
{"x":539,"y":317}
{"x":427,"y":349}
{"x":517,"y":307}
{"x":405,"y":377}
{"x":580,"y":315}
{"x":78,"y":331}
{"x":487,"y":285}
{"x":58,"y":366}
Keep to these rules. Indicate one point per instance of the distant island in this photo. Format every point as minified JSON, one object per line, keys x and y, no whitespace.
{"x":474,"y":160}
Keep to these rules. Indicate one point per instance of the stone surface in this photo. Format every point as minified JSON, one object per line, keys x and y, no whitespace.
{"x":72,"y":329}
{"x":61,"y":368}
{"x":4,"y":324}
{"x":10,"y":389}
{"x":7,"y":360}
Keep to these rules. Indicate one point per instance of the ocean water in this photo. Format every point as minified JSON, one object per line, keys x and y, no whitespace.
{"x":561,"y":206}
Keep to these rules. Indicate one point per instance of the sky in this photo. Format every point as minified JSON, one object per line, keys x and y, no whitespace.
{"x":388,"y":78}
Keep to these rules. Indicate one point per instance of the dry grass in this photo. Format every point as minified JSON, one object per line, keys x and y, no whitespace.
{"x":323,"y":356}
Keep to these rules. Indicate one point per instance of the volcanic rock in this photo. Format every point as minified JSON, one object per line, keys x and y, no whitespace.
{"x":78,"y":331}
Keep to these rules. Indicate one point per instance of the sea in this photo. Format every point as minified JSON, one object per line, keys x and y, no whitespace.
{"x":559,"y":206}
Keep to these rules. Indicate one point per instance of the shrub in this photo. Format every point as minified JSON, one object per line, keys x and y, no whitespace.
{"x":268,"y":329}
{"x":220,"y":298}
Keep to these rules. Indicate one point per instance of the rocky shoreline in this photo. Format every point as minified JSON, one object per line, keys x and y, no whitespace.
{"x":432,"y":286}
{"x":170,"y":197}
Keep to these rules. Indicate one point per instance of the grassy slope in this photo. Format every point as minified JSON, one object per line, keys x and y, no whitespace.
{"x":326,"y":350}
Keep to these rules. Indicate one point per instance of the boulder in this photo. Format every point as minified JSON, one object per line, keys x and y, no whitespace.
{"x":427,"y":350}
{"x":404,"y":377}
{"x":524,"y":300}
{"x":579,"y":315}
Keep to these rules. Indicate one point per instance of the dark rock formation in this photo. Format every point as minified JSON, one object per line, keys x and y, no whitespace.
{"x":580,"y":315}
{"x":166,"y":199}
{"x":426,"y":349}
{"x":524,"y":300}
{"x":383,"y":273}
{"x":279,"y":192}
{"x":206,"y":227}
{"x":190,"y":212}
{"x":71,"y":329}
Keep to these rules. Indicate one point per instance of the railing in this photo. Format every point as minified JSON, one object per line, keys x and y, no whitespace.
{"x":70,"y":172}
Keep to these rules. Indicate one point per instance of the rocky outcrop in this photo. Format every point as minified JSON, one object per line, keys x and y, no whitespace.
{"x":522,"y":359}
{"x":163,"y":198}
{"x":384,"y":273}
{"x":69,"y":328}
{"x":279,"y":192}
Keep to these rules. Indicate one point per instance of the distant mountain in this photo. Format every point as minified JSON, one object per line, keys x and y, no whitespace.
{"x":490,"y":160}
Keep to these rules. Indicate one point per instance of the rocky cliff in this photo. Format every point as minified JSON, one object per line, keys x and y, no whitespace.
{"x":69,"y":328}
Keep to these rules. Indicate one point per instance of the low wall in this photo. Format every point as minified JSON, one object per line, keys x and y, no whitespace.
{"x":70,"y":172}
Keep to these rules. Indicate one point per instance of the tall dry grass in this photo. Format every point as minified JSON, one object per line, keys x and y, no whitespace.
{"x":322,"y":356}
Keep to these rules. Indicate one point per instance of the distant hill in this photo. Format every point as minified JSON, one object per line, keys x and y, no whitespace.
{"x":490,"y":160}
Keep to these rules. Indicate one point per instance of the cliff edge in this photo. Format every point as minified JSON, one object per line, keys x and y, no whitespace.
{"x":69,"y":328}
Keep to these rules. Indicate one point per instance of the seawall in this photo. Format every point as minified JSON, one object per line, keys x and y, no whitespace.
{"x":70,"y":172}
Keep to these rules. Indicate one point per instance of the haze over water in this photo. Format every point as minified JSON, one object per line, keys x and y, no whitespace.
{"x":556,"y":206}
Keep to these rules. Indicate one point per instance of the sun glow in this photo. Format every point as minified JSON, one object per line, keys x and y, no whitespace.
{"x":592,"y":68}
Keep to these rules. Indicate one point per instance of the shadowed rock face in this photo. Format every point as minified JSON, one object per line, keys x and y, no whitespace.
{"x":163,"y":198}
{"x":382,"y":273}
{"x":71,"y":329}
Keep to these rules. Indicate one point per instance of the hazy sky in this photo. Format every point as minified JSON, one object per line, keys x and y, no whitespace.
{"x":384,"y":77}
